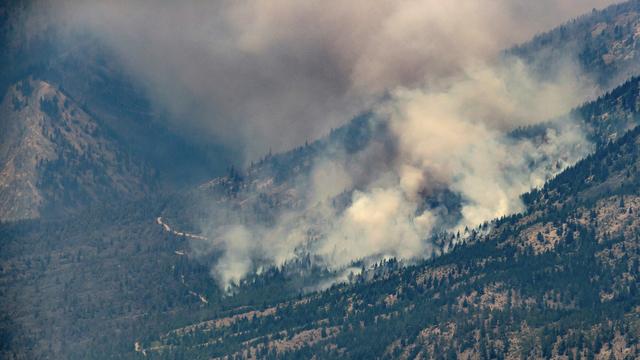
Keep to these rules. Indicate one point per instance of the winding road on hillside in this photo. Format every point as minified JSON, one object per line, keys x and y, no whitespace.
{"x":168,"y":228}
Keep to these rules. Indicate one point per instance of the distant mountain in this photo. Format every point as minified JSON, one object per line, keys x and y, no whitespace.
{"x":45,"y":137}
{"x":605,"y":44}
{"x":94,"y":80}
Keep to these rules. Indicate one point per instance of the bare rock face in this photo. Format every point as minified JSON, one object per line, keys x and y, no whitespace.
{"x":54,"y":156}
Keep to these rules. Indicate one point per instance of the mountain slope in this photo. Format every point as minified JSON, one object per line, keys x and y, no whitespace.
{"x":555,"y":281}
{"x":128,"y":281}
{"x":94,"y":77}
{"x":559,"y":280}
{"x":85,"y":69}
{"x":613,"y":114}
{"x":605,"y":44}
{"x":45,"y":136}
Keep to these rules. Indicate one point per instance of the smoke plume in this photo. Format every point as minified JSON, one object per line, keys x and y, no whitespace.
{"x":456,"y":139}
{"x":260,"y":75}
{"x":271,"y":74}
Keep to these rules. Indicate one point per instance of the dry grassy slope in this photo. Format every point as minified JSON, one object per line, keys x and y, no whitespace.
{"x":54,"y":155}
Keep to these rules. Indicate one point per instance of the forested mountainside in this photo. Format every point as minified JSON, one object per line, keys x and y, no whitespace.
{"x":91,"y":285}
{"x":279,"y":182}
{"x":613,"y":114}
{"x":559,"y":281}
{"x":603,"y":120}
{"x":112,"y":276}
{"x":605,"y":43}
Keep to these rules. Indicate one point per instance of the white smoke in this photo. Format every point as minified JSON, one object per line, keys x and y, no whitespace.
{"x":455,"y":138}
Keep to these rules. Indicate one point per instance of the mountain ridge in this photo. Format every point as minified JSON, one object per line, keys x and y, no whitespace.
{"x":45,"y":135}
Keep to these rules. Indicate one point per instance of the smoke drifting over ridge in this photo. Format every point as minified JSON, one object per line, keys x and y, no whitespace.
{"x":271,"y":74}
{"x":454,"y":139}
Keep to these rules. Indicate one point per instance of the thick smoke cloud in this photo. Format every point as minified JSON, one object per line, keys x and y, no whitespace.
{"x":455,"y":138}
{"x":272,"y":74}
